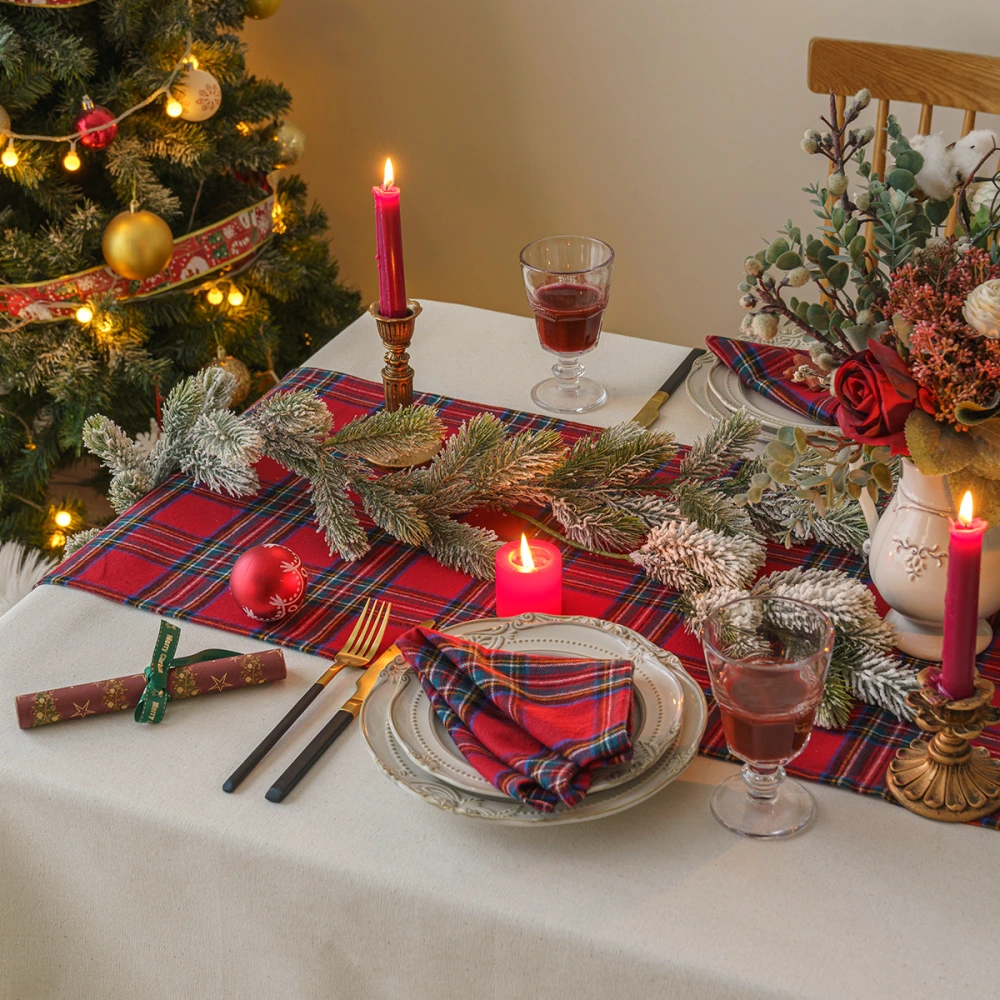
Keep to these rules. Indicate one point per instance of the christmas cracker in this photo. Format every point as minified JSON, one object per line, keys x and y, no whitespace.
{"x":117,"y":694}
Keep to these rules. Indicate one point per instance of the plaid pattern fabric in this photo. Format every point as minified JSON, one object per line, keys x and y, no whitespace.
{"x":760,"y":366}
{"x":172,"y":553}
{"x":536,"y":727}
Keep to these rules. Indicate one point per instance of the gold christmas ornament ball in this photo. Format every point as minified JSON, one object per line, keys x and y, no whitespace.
{"x":291,"y":142}
{"x":4,"y":119}
{"x":259,"y":9}
{"x":137,"y":245}
{"x":236,"y":368}
{"x":199,"y":95}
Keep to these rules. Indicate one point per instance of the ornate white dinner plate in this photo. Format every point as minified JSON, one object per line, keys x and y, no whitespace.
{"x":696,"y":387}
{"x":396,"y":764}
{"x":656,"y":718}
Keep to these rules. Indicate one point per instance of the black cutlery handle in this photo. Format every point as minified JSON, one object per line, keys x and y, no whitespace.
{"x":321,"y":742}
{"x":262,"y":749}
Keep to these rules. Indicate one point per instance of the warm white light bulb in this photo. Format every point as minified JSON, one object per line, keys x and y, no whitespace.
{"x":173,"y":107}
{"x":57,"y":540}
{"x":63,"y":518}
{"x":71,"y":161}
{"x":84,"y":314}
{"x":9,"y":157}
{"x":215,"y":296}
{"x":192,"y":62}
{"x":235,"y":296}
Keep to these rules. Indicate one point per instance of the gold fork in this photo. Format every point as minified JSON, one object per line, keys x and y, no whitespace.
{"x":361,"y":646}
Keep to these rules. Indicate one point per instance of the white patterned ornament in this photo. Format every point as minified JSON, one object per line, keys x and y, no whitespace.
{"x":199,"y":95}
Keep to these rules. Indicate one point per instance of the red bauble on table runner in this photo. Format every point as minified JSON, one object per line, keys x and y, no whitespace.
{"x":268,"y":583}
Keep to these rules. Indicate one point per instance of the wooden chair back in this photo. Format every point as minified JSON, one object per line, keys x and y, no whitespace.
{"x":928,"y":77}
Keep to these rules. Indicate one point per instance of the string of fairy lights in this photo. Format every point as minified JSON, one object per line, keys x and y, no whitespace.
{"x":106,"y":123}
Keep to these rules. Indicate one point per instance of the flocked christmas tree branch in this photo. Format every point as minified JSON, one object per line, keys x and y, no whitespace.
{"x":606,"y":493}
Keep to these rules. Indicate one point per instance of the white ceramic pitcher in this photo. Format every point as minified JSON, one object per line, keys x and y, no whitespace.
{"x":908,"y":561}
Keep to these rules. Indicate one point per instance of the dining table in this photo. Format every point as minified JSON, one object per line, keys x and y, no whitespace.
{"x":126,"y":871}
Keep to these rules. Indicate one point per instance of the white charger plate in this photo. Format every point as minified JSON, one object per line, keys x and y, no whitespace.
{"x":397,"y":766}
{"x":658,"y":702}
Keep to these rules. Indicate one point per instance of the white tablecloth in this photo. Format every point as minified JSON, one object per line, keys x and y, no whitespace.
{"x":125,"y":871}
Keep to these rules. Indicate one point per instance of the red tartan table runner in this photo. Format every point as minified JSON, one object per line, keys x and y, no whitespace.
{"x":171,"y":553}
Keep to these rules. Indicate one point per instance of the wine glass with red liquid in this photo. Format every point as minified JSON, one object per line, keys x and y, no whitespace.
{"x":568,"y":280}
{"x":767,"y":658}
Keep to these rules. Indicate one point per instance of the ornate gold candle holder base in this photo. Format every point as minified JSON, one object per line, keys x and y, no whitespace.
{"x":397,"y":375}
{"x":947,"y":778}
{"x":396,"y":334}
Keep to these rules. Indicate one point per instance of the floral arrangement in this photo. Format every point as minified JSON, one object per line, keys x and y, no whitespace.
{"x":907,"y":329}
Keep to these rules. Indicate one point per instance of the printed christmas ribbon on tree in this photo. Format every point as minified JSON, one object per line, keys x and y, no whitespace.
{"x":209,"y":671}
{"x":195,"y":257}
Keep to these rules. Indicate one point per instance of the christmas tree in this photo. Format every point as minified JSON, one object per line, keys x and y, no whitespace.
{"x":143,"y":234}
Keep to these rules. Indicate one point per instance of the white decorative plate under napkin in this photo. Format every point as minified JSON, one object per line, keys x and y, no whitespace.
{"x":397,"y":765}
{"x":656,"y":719}
{"x":734,"y":394}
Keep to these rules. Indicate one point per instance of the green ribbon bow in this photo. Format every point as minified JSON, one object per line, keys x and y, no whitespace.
{"x":153,"y":703}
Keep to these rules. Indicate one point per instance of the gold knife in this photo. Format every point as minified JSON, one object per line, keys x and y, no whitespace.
{"x":646,"y":417}
{"x":324,"y":739}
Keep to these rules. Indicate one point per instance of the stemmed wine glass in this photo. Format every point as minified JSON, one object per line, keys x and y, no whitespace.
{"x":568,"y":280}
{"x":767,"y":659}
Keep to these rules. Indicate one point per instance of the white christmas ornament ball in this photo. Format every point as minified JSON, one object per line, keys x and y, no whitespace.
{"x":291,"y":142}
{"x":199,"y":95}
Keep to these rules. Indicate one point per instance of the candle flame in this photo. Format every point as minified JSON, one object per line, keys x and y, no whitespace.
{"x":527,"y":562}
{"x":388,"y":177}
{"x":965,"y":510}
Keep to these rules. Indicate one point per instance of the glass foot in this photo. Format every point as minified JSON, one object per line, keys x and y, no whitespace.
{"x":584,"y":394}
{"x":789,"y":809}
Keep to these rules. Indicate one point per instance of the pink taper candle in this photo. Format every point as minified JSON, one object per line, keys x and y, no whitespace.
{"x":961,"y":603}
{"x":529,"y":578}
{"x":389,"y":247}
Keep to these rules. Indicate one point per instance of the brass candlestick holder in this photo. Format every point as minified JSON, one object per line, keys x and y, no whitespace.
{"x":947,"y":778}
{"x":396,"y":334}
{"x":397,"y":375}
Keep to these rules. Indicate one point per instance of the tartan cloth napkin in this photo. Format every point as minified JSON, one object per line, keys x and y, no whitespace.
{"x":534,"y":726}
{"x":762,"y":367}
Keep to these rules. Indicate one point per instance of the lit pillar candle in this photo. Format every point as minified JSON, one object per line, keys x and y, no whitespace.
{"x":389,"y":247}
{"x":961,"y":603}
{"x":529,"y":578}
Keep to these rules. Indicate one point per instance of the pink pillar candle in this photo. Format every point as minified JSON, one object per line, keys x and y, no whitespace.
{"x":389,"y":248}
{"x":961,"y":604}
{"x":529,"y":578}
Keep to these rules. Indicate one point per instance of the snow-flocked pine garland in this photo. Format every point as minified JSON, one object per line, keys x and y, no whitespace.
{"x":605,"y":493}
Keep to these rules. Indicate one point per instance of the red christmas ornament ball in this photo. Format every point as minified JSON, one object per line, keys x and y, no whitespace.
{"x":268,"y":582}
{"x":91,"y":116}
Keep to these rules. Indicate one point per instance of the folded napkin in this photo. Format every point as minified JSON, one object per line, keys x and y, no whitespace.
{"x":763,"y":368}
{"x":534,"y":726}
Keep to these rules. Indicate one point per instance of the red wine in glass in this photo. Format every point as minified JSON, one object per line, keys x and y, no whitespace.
{"x":568,"y":316}
{"x":767,"y":714}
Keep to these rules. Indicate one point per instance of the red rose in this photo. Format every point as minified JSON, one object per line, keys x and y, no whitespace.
{"x":877,"y":394}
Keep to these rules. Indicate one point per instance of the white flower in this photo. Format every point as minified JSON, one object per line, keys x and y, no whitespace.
{"x":984,"y":193}
{"x":968,"y":151}
{"x":937,"y":177}
{"x":982,"y":308}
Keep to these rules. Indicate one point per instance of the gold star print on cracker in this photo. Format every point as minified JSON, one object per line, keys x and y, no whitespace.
{"x":220,"y":683}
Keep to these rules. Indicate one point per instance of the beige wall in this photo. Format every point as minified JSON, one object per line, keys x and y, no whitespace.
{"x":668,"y":129}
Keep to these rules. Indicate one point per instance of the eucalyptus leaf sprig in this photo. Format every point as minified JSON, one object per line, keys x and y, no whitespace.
{"x":865,"y":236}
{"x":822,"y":468}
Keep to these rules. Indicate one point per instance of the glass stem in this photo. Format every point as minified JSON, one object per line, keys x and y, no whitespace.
{"x":568,"y":372}
{"x":762,"y":783}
